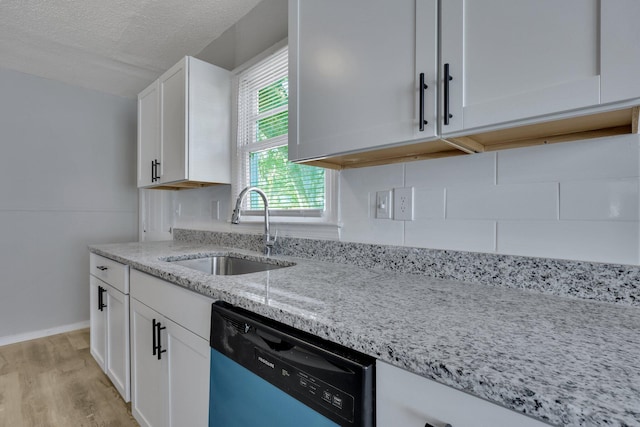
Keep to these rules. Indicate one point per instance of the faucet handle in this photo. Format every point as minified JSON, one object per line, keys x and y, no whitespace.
{"x":269,"y":243}
{"x":268,"y":247}
{"x":235,"y":216}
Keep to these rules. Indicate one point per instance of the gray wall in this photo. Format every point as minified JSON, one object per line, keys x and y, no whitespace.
{"x":67,"y":179}
{"x":262,"y":27}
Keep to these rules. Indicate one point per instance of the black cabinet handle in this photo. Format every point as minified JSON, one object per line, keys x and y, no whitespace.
{"x":102,"y":267}
{"x":157,"y":343}
{"x":101,"y":304}
{"x":423,"y":87}
{"x":160,"y":350}
{"x":447,"y":79}
{"x":154,"y":170}
{"x":153,"y":336}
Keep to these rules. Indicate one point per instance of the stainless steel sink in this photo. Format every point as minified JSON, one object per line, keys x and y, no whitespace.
{"x":224,"y":265}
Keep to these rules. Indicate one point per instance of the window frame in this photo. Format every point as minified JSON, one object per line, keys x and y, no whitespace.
{"x":328,"y":215}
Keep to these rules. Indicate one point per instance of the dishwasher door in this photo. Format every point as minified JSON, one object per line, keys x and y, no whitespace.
{"x":267,"y":374}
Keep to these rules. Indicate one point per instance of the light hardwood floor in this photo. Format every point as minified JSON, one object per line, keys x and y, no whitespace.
{"x":55,"y":382}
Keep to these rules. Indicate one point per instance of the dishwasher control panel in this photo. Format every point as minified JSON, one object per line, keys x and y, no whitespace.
{"x":305,"y":386}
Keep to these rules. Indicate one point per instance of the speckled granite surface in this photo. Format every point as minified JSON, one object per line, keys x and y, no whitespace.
{"x":562,"y":360}
{"x":619,"y":284}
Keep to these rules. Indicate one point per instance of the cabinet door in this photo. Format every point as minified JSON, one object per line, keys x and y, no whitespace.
{"x":510,"y":61}
{"x":117,"y":366}
{"x":620,"y":34}
{"x":354,"y":69}
{"x":148,"y":133}
{"x":188,"y":357}
{"x":406,"y":399}
{"x":173,"y":119}
{"x":98,"y":329}
{"x":148,"y":375}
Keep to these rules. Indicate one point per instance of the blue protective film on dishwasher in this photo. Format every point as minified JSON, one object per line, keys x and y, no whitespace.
{"x":240,"y":398}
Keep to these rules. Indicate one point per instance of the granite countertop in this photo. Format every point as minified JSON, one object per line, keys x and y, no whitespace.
{"x":560,"y":359}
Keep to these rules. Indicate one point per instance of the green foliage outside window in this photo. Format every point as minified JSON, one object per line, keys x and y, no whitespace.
{"x":288,"y":185}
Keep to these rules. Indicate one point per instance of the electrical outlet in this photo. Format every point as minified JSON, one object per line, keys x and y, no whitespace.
{"x":383,"y":204}
{"x":403,"y":204}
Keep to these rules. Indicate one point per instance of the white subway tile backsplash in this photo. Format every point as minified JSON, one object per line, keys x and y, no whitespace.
{"x":471,"y":169}
{"x":601,"y":158}
{"x":357,"y":203}
{"x":518,"y":201}
{"x":428,"y":203}
{"x":578,"y":200}
{"x":598,"y":241}
{"x":614,"y":200}
{"x":472,"y":236}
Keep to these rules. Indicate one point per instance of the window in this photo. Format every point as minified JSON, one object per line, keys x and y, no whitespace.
{"x":262,"y":151}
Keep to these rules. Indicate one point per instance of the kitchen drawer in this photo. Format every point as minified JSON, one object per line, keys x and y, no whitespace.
{"x":109,"y":271}
{"x":407,"y":399}
{"x":189,"y":309}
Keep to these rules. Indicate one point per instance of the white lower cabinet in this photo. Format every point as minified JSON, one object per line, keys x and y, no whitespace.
{"x":110,"y":333}
{"x":98,"y":322}
{"x":117,"y":363}
{"x":148,"y":384}
{"x":109,"y":321}
{"x":188,"y":368}
{"x":169,"y":363}
{"x":409,"y":400}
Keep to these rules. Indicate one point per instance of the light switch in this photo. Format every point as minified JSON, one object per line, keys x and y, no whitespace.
{"x":383,"y":204}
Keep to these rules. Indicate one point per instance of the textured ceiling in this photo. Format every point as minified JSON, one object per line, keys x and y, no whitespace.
{"x":114,"y":46}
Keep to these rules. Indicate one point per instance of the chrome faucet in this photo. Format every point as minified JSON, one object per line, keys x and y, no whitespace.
{"x":235,"y":217}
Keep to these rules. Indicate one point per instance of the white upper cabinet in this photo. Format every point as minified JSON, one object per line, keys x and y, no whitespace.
{"x":354,"y":72}
{"x":148,"y":134}
{"x":174,"y":140}
{"x":620,"y":33}
{"x":491,"y":68}
{"x":184,"y":127}
{"x":510,"y":61}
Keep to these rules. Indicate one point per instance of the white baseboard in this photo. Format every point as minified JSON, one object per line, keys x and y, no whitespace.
{"x":12,"y":339}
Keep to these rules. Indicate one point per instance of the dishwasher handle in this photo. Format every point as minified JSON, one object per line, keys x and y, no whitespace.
{"x":295,"y":354}
{"x":274,"y":343}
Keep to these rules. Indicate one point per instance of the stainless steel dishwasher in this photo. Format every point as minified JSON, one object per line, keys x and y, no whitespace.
{"x":267,"y":374}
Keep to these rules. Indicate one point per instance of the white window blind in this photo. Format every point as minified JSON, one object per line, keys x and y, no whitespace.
{"x":262,"y":154}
